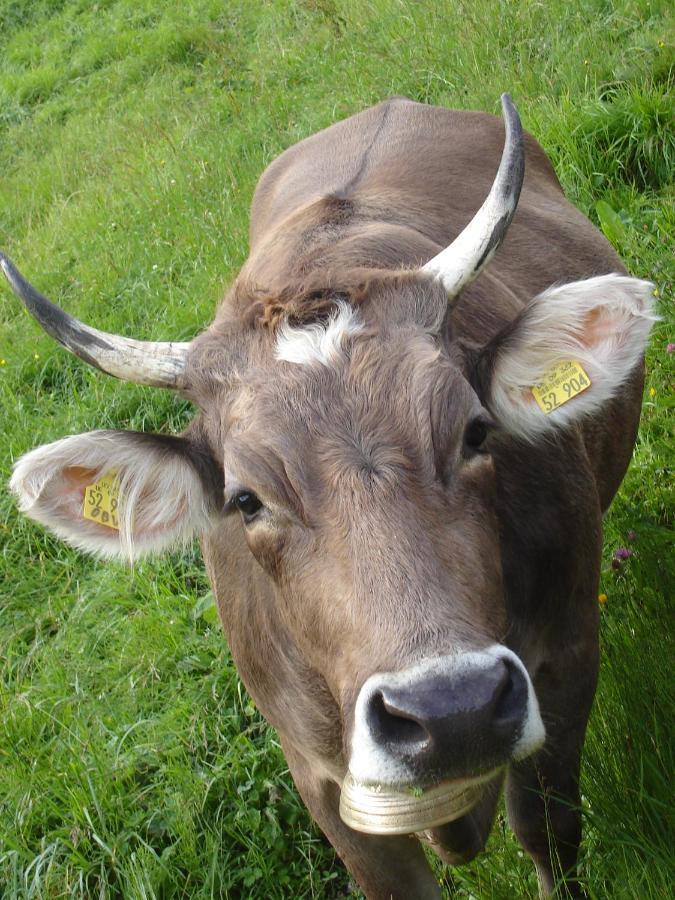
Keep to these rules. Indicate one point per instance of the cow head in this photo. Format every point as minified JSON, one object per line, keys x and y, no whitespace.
{"x":350,"y":447}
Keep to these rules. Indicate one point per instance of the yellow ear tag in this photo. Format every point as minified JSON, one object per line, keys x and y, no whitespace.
{"x":101,"y":500}
{"x":559,"y":385}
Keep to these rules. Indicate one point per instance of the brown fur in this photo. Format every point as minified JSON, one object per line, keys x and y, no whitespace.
{"x":382,"y":541}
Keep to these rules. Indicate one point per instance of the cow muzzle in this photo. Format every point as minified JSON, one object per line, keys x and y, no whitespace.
{"x":427,"y":739}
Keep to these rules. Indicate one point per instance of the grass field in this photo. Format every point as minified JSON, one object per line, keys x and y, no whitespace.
{"x":132,"y":132}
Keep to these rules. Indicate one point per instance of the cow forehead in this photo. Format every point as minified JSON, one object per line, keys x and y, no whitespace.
{"x":343,"y":393}
{"x":343,"y":364}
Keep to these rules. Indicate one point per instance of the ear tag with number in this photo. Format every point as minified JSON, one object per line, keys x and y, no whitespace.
{"x":101,"y":500}
{"x":559,"y":385}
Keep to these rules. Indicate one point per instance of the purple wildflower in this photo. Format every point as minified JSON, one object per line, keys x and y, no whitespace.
{"x":623,"y":553}
{"x":670,"y":348}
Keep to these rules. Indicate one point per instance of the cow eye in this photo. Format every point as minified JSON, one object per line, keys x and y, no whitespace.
{"x":475,"y":436}
{"x":248,"y":505}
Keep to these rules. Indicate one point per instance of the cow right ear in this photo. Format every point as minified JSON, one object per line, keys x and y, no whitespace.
{"x":120,"y":493}
{"x":569,"y":352}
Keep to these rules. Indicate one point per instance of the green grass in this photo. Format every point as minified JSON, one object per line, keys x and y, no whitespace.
{"x":132,"y":133}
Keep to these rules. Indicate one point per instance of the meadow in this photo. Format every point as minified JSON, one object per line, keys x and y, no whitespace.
{"x":132,"y":133}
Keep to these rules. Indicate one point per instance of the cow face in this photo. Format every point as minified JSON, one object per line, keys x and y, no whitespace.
{"x":356,"y":452}
{"x":356,"y":455}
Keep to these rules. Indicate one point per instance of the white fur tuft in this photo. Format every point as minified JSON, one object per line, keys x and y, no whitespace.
{"x":318,"y":343}
{"x":602,"y":323}
{"x":161,"y":502}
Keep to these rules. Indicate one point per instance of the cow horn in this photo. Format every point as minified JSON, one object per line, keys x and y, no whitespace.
{"x":473,"y":248}
{"x":156,"y":363}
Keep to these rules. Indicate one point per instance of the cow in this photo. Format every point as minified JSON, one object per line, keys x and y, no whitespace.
{"x":414,"y":405}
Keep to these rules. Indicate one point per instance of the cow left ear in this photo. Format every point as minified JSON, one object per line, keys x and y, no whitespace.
{"x":566,"y":354}
{"x":120,"y":493}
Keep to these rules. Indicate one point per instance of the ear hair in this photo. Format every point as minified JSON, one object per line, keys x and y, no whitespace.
{"x":602,"y":323}
{"x":168,"y":489}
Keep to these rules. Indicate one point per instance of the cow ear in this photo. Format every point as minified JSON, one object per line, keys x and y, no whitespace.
{"x":119,"y":493}
{"x":566,"y":354}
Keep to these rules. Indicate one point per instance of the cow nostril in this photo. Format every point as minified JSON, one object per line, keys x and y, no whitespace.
{"x":512,"y":700}
{"x":390,"y":725}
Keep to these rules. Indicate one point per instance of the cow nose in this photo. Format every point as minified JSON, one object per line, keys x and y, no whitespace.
{"x":451,"y":724}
